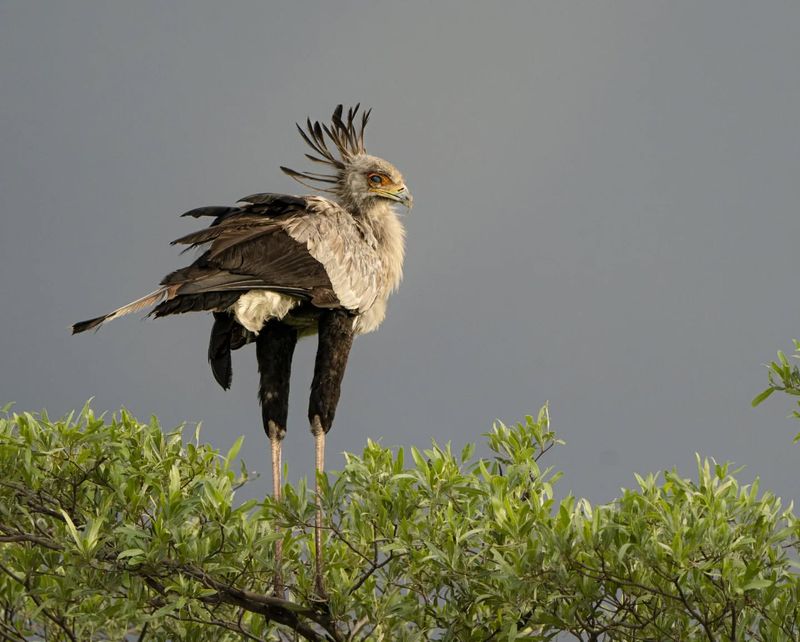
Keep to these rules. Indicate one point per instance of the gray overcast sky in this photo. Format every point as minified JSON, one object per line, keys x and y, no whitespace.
{"x":606,"y":215}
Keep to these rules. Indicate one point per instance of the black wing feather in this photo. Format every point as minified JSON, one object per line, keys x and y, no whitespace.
{"x":248,"y":249}
{"x":219,"y":349}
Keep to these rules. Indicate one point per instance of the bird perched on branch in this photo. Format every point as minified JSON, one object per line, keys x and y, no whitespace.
{"x":276,"y":267}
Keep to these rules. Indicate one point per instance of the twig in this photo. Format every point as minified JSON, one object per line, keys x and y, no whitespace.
{"x":366,"y":574}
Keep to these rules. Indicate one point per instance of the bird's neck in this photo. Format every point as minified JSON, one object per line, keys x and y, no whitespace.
{"x":391,"y":236}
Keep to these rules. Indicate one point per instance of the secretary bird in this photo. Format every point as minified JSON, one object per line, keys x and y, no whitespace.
{"x":275,"y":268}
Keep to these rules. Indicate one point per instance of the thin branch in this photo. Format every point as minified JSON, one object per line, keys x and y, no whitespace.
{"x":275,"y":608}
{"x":57,"y":619}
{"x":366,"y":574}
{"x":11,"y":632}
{"x":703,"y":622}
{"x":221,"y":624}
{"x":28,"y":537}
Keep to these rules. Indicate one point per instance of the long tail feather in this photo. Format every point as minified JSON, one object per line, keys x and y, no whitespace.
{"x":133,"y":306}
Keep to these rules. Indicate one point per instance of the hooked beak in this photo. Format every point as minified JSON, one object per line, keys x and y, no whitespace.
{"x":402,"y":196}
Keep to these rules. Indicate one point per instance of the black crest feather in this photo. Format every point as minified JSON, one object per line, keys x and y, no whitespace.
{"x":345,"y":132}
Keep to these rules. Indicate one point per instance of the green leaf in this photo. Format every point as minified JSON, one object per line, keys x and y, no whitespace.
{"x":174,"y":482}
{"x":71,"y":528}
{"x":764,"y":394}
{"x":757,"y":584}
{"x":234,"y":450}
{"x":92,"y":532}
{"x":419,"y":460}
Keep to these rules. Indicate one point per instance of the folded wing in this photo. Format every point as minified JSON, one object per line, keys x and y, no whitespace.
{"x":247,"y":247}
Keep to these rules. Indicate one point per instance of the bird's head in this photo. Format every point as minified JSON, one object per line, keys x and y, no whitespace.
{"x":368,"y":180}
{"x":358,"y":180}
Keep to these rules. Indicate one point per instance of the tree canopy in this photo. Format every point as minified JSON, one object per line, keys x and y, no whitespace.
{"x":111,"y":528}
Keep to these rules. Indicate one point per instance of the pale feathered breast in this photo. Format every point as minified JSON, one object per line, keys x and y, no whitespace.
{"x":346,"y":249}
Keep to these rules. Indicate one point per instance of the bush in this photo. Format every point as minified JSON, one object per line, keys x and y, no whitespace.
{"x":113,"y":528}
{"x":783,"y":377}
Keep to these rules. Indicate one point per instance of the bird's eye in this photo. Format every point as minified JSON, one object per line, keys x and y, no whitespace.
{"x":376,"y":179}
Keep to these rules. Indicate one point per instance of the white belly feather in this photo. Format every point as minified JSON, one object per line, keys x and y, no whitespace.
{"x":256,"y":307}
